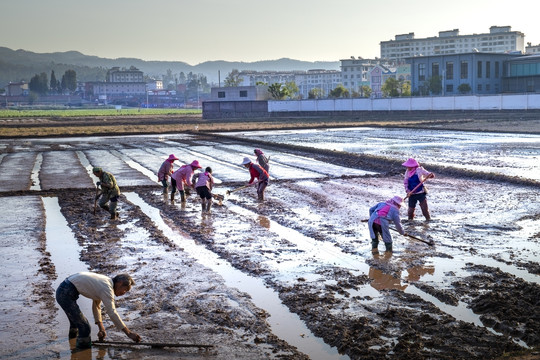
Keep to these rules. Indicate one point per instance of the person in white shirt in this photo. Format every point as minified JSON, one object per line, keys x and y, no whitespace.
{"x":102,"y":290}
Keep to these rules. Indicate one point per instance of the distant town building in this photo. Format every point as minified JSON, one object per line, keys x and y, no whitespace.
{"x":482,"y":72}
{"x":119,"y":83}
{"x":523,"y":74}
{"x":17,"y":89}
{"x":253,"y":78}
{"x":239,"y":93}
{"x":500,"y":39}
{"x":357,"y":72}
{"x":377,"y":77}
{"x":532,"y":49}
{"x":325,"y":80}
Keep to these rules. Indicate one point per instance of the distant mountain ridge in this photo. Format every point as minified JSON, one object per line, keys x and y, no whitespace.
{"x":17,"y":65}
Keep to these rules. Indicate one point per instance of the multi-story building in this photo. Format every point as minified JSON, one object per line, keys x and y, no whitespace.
{"x":522,"y":74}
{"x":500,"y":39}
{"x":119,"y":83}
{"x":354,"y":72}
{"x":482,"y":72}
{"x":532,"y":49}
{"x":325,"y":80}
{"x":253,"y":78}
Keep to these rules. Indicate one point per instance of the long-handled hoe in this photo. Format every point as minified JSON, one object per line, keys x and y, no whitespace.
{"x":96,"y":199}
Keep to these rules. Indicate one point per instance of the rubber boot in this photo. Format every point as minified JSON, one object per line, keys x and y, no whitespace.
{"x":203,"y":205}
{"x":114,"y":215}
{"x":105,"y":207}
{"x":172,"y":197}
{"x":83,"y":342}
{"x":182,"y":196}
{"x":208,"y":205}
{"x":425,"y":210}
{"x":410,"y":213}
{"x":388,"y":247}
{"x":374,"y":245}
{"x":73,"y":333}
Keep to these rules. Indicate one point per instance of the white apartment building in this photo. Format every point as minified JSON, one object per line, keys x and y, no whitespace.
{"x":355,"y":73}
{"x":532,"y":49}
{"x":131,"y":75}
{"x":500,"y":39}
{"x":326,"y":80}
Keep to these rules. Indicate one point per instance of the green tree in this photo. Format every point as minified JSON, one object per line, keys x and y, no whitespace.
{"x":278,"y":91}
{"x":390,"y":87}
{"x":39,"y":84}
{"x":339,"y":92}
{"x":70,"y":80}
{"x":434,"y":85}
{"x":365,"y":91}
{"x":315,"y":93}
{"x":405,"y":88}
{"x":233,"y":79}
{"x":292,"y":89}
{"x":53,"y":83}
{"x":464,"y":88}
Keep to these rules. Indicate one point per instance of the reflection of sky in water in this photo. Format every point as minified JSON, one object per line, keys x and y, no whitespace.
{"x":510,"y":154}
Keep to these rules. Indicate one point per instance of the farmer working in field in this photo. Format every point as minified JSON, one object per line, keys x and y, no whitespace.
{"x":109,"y":191}
{"x":415,"y":175}
{"x":204,"y":185}
{"x":380,"y":216}
{"x":256,"y":171}
{"x":165,"y":171}
{"x":101,"y":289}
{"x":183,"y":176}
{"x":262,"y":159}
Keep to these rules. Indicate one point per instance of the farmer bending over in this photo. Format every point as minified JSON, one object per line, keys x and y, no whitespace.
{"x":183,"y":176}
{"x":165,"y":170}
{"x":256,"y":171}
{"x":380,"y":216}
{"x":204,"y":185}
{"x":109,"y":191}
{"x":101,"y":289}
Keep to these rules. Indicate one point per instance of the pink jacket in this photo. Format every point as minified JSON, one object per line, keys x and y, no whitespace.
{"x":205,"y":179}
{"x":183,"y":176}
{"x":165,"y":170}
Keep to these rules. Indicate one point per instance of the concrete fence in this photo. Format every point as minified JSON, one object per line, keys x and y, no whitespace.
{"x":432,"y":103}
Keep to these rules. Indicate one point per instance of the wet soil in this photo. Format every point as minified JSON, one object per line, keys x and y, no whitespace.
{"x":474,"y":295}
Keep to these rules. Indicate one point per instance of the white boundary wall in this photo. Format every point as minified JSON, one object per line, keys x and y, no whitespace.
{"x":470,"y":102}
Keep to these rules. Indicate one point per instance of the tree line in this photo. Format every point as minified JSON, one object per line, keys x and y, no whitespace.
{"x":40,"y":83}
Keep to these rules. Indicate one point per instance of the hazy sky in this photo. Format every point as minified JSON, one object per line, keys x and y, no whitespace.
{"x":247,"y":30}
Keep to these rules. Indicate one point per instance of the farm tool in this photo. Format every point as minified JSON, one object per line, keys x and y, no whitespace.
{"x":429,"y":242}
{"x":229,"y":192}
{"x":417,"y":186}
{"x":96,"y":199}
{"x":151,"y":344}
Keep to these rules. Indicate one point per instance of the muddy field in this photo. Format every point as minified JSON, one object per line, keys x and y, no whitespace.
{"x":292,"y":277}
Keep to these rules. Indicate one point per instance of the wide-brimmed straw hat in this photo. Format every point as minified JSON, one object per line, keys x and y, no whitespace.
{"x":172,"y":157}
{"x":246,"y":161}
{"x":411,"y":163}
{"x":195,"y":164}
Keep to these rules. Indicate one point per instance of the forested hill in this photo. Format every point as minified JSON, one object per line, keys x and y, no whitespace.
{"x":17,"y":65}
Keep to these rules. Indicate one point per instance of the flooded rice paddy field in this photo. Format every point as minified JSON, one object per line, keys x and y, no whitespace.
{"x":292,"y":277}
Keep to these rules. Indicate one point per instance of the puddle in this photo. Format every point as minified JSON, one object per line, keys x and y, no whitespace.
{"x":64,"y":250}
{"x":284,"y":324}
{"x":35,"y":173}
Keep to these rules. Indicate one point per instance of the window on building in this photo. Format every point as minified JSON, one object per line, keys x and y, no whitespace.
{"x":488,"y":87}
{"x":488,"y":69}
{"x":435,"y":69}
{"x":449,"y":88}
{"x":221,"y":94}
{"x":496,"y":69}
{"x":479,"y":69}
{"x":243,"y":93}
{"x":421,"y":72}
{"x":479,"y":87}
{"x":449,"y":70}
{"x":464,"y":70}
